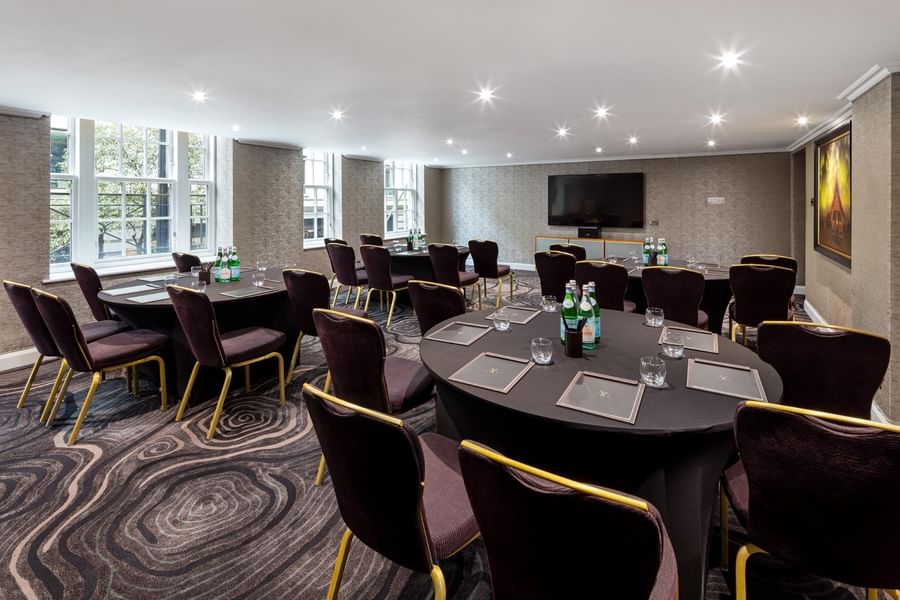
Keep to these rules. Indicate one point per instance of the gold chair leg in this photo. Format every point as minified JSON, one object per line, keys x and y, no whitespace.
{"x":327,"y":387}
{"x":59,"y":377}
{"x":60,"y":398}
{"x":187,"y":391}
{"x":510,"y":285}
{"x":295,"y":356}
{"x":320,"y":472}
{"x":331,"y":282}
{"x":358,"y":296}
{"x":282,"y":399}
{"x":740,"y":567}
{"x":393,"y":296}
{"x":871,"y":594}
{"x":733,"y":329}
{"x":478,"y":285}
{"x":499,"y":291}
{"x":30,"y":381}
{"x":135,"y":383}
{"x":339,"y":564}
{"x":723,"y":527}
{"x":437,"y":579}
{"x":163,"y":385}
{"x":337,"y":293}
{"x":380,"y":299}
{"x":368,"y":297}
{"x":95,"y":381}
{"x":246,"y":378}
{"x":744,"y":334}
{"x":219,"y":405}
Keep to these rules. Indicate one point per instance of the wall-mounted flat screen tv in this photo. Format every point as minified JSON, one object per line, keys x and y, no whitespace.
{"x":602,"y":200}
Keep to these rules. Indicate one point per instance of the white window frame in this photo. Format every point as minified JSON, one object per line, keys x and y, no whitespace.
{"x":412,"y":209}
{"x":327,"y":211}
{"x":71,"y":177}
{"x":85,"y":188}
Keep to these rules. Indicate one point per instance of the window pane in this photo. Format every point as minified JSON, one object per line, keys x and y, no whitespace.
{"x":109,"y":200}
{"x":199,"y":203}
{"x":106,"y":148}
{"x":135,"y":237}
{"x":109,"y":239}
{"x":196,"y":156}
{"x":157,"y":153}
{"x":59,"y":144}
{"x":60,"y":221}
{"x":198,"y":234}
{"x":160,"y":236}
{"x":133,"y":151}
{"x":159,"y":200}
{"x":135,"y":200}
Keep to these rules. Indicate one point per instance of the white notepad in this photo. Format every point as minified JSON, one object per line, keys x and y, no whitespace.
{"x":150,"y":297}
{"x":131,"y":289}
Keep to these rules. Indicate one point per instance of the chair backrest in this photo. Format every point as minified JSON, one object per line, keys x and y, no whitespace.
{"x":675,"y":290}
{"x":355,"y":353}
{"x":550,"y":537}
{"x":378,"y":473}
{"x":370,"y":239}
{"x":198,"y":322}
{"x":435,"y":302}
{"x":575,"y":250}
{"x":333,"y":241}
{"x":184,"y":261}
{"x":484,"y":257}
{"x":63,"y":326}
{"x":23,"y":302}
{"x":90,"y":285}
{"x":343,"y":263}
{"x":378,"y":266}
{"x":823,"y":491}
{"x":306,"y":290}
{"x":770,"y":259}
{"x":611,"y":280}
{"x":555,"y":270}
{"x":761,"y":293}
{"x":836,"y":370}
{"x":445,"y":263}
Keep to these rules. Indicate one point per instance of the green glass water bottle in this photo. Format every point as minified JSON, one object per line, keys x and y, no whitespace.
{"x":234,"y":264}
{"x":568,"y":314}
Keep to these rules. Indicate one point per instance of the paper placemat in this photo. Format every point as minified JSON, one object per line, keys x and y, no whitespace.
{"x":131,"y":289}
{"x":604,"y":396}
{"x":493,"y":372}
{"x":248,"y":291}
{"x":158,"y":278}
{"x":517,"y":315}
{"x":463,"y":334}
{"x":150,"y":297}
{"x":738,"y":381}
{"x":694,"y":339}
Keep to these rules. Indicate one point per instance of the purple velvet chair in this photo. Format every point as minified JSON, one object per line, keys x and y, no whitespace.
{"x":445,"y":264}
{"x":774,"y":260}
{"x":555,"y":270}
{"x":118,"y":351}
{"x":574,"y":249}
{"x":378,"y":268}
{"x":399,"y":493}
{"x":484,"y":257}
{"x":227,"y":351}
{"x":90,"y":285}
{"x":307,"y":291}
{"x":435,"y":302}
{"x":23,"y":303}
{"x":346,"y":271}
{"x":331,"y":264}
{"x":360,"y":370}
{"x":819,"y":493}
{"x":611,"y":280}
{"x":761,"y":293}
{"x":184,"y":261}
{"x":678,"y":292}
{"x":547,"y":536}
{"x":370,"y":239}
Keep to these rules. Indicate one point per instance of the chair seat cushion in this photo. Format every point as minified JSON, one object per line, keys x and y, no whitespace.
{"x":448,"y":513}
{"x":502,"y":270}
{"x":101,"y":329}
{"x":356,"y":312}
{"x":124,"y":347}
{"x":362,"y":276}
{"x":250,"y":342}
{"x":629,"y":306}
{"x":409,"y":383}
{"x":399,"y":281}
{"x":702,"y":320}
{"x":467,"y":278}
{"x":735,"y":486}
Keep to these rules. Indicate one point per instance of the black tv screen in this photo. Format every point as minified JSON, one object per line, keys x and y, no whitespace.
{"x":603,"y":200}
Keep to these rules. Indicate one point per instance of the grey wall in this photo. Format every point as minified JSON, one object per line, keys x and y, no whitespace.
{"x":509,"y":204}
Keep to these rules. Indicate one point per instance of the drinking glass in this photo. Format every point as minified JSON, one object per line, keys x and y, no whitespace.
{"x":673,"y":344}
{"x":548,"y":303}
{"x":170,"y":280}
{"x":653,"y":371}
{"x":262,"y":266}
{"x":541,"y":351}
{"x":654,"y":317}
{"x":634,"y":257}
{"x":195,"y":272}
{"x":691,"y":261}
{"x":199,"y":285}
{"x":501,"y":320}
{"x":259,"y":278}
{"x":612,"y":260}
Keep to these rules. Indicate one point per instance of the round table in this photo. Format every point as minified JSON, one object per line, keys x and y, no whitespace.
{"x":269,"y":308}
{"x":672,"y":455}
{"x":418,"y":263}
{"x":716,"y":295}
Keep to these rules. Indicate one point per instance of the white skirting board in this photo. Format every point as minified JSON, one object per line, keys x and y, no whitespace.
{"x":19,"y":359}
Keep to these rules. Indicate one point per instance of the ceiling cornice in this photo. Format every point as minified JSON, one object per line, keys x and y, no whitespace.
{"x":833,"y":122}
{"x":278,"y":145}
{"x":869,"y":79}
{"x":9,"y":111}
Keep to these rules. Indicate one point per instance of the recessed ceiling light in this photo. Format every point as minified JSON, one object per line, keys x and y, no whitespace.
{"x":363,"y":148}
{"x":601,"y":112}
{"x":199,"y":96}
{"x":711,"y":143}
{"x":562,"y":132}
{"x":509,"y":155}
{"x":729,"y":60}
{"x":802,"y":121}
{"x":633,"y":140}
{"x":337,"y":114}
{"x":235,"y":128}
{"x":598,"y":149}
{"x":434,"y":159}
{"x":464,"y":151}
{"x":449,"y":141}
{"x":716,"y":119}
{"x":486,"y":94}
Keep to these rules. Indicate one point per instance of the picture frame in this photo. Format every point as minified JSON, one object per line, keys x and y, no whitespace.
{"x":833,"y":222}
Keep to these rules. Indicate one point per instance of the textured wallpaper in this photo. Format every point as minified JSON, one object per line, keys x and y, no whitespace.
{"x":509,"y":204}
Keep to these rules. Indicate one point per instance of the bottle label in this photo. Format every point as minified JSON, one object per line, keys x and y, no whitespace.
{"x":587,"y":332}
{"x":236,"y":273}
{"x":660,"y":260}
{"x":224,"y":274}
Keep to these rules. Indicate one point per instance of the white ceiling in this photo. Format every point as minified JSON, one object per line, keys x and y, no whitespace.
{"x":405,"y":71}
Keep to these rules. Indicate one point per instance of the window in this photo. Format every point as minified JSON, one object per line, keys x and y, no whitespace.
{"x":318,"y":194}
{"x":62,"y":186}
{"x":145,"y":191}
{"x":400,"y":213}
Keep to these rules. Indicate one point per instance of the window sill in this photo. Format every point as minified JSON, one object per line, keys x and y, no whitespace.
{"x":313,"y":245}
{"x":143,"y":267}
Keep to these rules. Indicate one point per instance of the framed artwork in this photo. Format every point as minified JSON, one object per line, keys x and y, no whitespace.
{"x":833,"y":202}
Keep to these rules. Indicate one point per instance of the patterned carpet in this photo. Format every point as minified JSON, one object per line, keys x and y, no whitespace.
{"x":144,"y":507}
